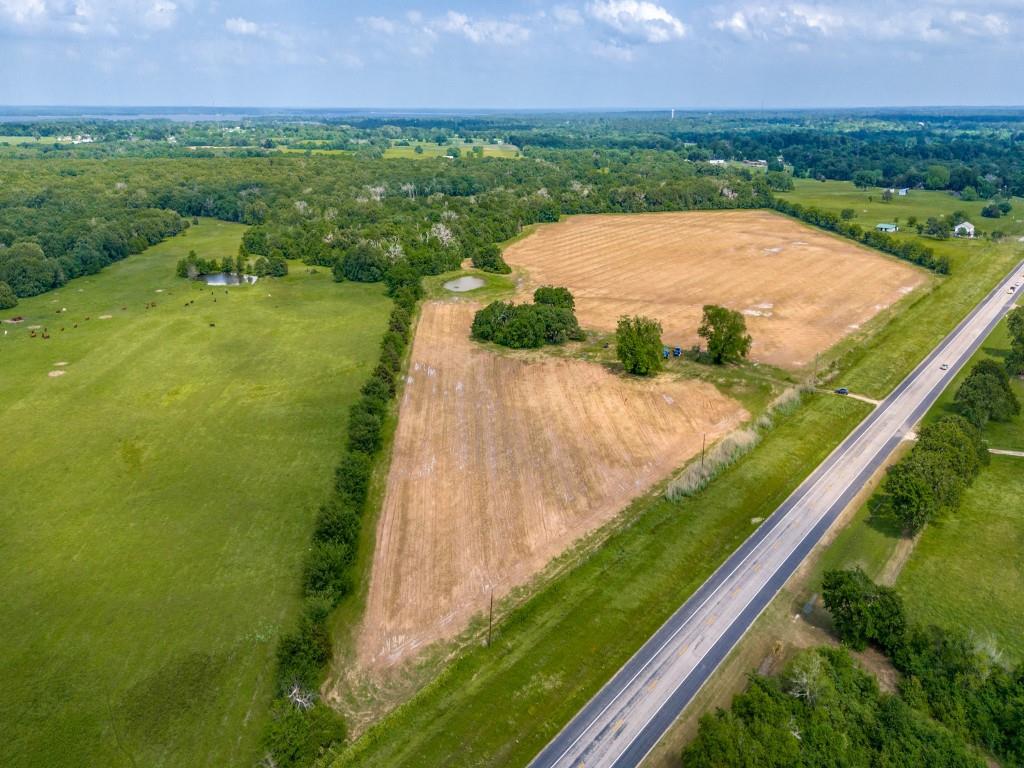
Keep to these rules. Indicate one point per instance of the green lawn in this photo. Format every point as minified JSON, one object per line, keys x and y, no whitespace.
{"x":158,"y":498}
{"x":967,"y":570}
{"x":977,"y":265}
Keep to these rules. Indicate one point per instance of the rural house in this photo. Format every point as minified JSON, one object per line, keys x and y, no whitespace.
{"x":887,"y":228}
{"x":964,"y":229}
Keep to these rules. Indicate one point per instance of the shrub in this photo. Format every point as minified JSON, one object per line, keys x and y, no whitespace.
{"x":363,"y":431}
{"x":337,"y":521}
{"x":554,"y":296}
{"x":326,"y":570}
{"x":301,"y":654}
{"x":352,"y":478}
{"x":638,"y":344}
{"x":488,"y":258}
{"x":297,"y":737}
{"x":378,"y":389}
{"x":7,"y":298}
{"x":862,"y":611}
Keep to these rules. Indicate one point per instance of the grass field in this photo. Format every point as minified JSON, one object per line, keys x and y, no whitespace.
{"x":14,"y":141}
{"x":431,"y":149}
{"x":977,"y":265}
{"x":554,"y":652}
{"x":165,"y":489}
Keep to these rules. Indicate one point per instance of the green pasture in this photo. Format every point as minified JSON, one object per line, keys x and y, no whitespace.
{"x":158,"y":498}
{"x":431,"y":149}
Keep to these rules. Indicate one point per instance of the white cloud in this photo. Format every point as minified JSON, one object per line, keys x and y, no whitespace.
{"x":239,"y":26}
{"x":638,"y":20}
{"x":929,"y":23}
{"x":380,"y":24}
{"x":483,"y":30}
{"x":160,"y":15}
{"x":614,"y":51}
{"x":567,"y":15}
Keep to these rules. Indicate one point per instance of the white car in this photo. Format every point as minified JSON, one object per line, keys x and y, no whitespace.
{"x":944,"y":367}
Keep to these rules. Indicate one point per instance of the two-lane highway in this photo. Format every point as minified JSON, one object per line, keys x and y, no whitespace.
{"x":623,"y":722}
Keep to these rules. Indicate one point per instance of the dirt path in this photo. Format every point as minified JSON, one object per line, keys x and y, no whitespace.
{"x":500,"y":462}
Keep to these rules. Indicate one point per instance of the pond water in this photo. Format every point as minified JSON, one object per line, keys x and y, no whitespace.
{"x":465,"y":283}
{"x":220,"y":278}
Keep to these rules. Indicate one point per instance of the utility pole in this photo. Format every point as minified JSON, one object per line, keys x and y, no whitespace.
{"x":490,"y":618}
{"x":703,"y":443}
{"x":814,"y":381}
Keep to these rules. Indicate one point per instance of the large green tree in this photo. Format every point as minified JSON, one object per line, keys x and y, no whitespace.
{"x":725,"y":331}
{"x":986,"y":394}
{"x":1015,"y":324}
{"x":638,"y":344}
{"x":7,"y":297}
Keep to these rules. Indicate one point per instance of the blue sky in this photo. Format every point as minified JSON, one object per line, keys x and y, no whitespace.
{"x":534,"y":54}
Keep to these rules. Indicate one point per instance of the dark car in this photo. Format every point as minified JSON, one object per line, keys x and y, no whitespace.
{"x":842,"y":391}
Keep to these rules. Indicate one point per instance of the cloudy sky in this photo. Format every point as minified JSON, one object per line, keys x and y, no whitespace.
{"x":454,"y":53}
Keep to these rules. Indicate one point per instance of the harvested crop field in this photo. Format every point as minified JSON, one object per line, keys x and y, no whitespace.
{"x":500,"y":462}
{"x":801,"y":289}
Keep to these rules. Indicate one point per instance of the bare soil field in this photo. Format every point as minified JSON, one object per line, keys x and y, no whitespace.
{"x":801,"y":289}
{"x":500,"y":462}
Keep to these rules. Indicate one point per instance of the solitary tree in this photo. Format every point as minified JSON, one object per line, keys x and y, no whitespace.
{"x":1015,"y":360}
{"x":638,"y":343}
{"x":725,"y":331}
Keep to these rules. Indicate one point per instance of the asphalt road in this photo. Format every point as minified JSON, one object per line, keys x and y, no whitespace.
{"x":623,"y":722}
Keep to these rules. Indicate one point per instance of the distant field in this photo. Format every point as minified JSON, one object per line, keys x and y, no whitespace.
{"x":16,"y":140}
{"x":500,"y":462}
{"x":802,"y":290}
{"x":977,"y":265}
{"x":157,"y":501}
{"x":431,"y":149}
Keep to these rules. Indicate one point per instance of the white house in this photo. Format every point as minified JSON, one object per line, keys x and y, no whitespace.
{"x":964,"y":229}
{"x":887,"y":228}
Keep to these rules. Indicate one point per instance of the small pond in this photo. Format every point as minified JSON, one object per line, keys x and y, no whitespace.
{"x":465,"y":283}
{"x":221,"y":278}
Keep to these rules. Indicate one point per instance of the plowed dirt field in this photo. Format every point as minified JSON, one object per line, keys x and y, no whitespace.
{"x":801,"y":289}
{"x":500,"y":462}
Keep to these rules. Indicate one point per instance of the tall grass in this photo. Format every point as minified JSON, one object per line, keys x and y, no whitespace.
{"x":730,"y":449}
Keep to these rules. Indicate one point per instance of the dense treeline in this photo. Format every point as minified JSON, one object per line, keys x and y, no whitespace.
{"x":910,"y":249}
{"x":930,"y":480}
{"x":301,"y":726}
{"x":823,"y":710}
{"x":958,"y":681}
{"x":61,"y":219}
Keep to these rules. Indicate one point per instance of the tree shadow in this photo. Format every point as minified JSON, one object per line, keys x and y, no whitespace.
{"x":881,"y":517}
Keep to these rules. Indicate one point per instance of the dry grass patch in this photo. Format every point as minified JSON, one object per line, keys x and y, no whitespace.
{"x":801,"y":289}
{"x":500,"y":462}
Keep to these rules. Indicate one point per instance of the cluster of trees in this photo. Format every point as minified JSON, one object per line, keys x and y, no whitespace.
{"x":945,"y":673}
{"x":8,"y":298}
{"x":930,"y":480}
{"x":725,"y":333}
{"x":986,"y":395}
{"x":550,"y":319}
{"x":1015,"y":325}
{"x":996,"y":209}
{"x":302,"y":727}
{"x":638,"y":345}
{"x":194,"y":267}
{"x":823,"y":710}
{"x":904,"y":248}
